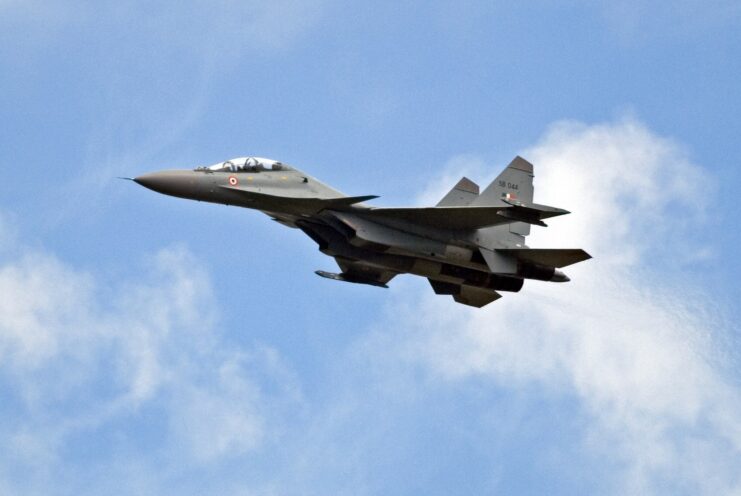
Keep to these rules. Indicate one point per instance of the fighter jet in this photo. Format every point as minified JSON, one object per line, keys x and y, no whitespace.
{"x":471,"y":245}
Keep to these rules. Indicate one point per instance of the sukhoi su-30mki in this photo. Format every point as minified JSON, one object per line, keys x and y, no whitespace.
{"x":471,"y":245}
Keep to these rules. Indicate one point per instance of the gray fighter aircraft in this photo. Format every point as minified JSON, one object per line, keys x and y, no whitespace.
{"x":470,"y":245}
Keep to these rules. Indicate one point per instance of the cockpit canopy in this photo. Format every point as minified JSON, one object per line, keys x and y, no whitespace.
{"x":247,"y":164}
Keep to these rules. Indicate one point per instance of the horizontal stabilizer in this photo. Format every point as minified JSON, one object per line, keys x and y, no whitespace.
{"x":541,"y":211}
{"x":548,"y":257}
{"x":531,"y":213}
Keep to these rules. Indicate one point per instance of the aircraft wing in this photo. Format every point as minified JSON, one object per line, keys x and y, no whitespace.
{"x":464,"y":218}
{"x":442,"y":217}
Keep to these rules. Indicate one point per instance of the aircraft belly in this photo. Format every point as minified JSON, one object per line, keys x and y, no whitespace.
{"x":378,"y":237}
{"x":334,"y":244}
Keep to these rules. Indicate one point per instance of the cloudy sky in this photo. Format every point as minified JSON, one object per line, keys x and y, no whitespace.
{"x":150,"y":345}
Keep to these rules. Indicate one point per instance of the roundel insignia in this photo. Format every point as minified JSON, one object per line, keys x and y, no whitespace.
{"x":233,"y":181}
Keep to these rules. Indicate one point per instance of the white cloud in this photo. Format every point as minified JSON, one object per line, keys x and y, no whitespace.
{"x":77,"y":357}
{"x":639,"y":353}
{"x":229,"y":414}
{"x":629,"y":190}
{"x":471,"y":166}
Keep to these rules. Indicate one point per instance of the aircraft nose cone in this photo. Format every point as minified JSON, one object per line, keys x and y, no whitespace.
{"x":174,"y":183}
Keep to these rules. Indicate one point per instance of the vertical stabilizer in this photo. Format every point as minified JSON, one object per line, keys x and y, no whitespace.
{"x":461,"y":195}
{"x":514,"y":183}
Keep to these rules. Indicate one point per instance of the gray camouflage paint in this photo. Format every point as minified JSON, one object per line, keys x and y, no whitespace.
{"x":470,"y":246}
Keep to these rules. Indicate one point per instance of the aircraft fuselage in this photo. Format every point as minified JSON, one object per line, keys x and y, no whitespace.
{"x":466,"y":250}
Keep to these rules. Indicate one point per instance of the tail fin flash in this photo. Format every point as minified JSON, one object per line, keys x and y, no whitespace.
{"x":515,"y":183}
{"x":461,"y":195}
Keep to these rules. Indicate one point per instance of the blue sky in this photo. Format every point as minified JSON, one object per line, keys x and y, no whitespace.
{"x":150,"y":345}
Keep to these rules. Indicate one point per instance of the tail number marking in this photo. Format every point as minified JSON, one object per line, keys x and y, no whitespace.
{"x":505,"y":184}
